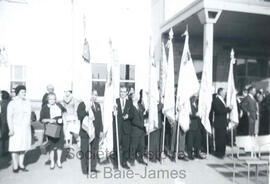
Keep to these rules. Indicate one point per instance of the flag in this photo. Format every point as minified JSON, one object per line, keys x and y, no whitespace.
{"x":106,"y":142}
{"x":231,"y":95}
{"x":188,"y":85}
{"x":153,"y":96}
{"x":86,"y":51}
{"x":169,"y":94}
{"x":88,"y":125}
{"x":164,"y":68}
{"x":205,"y":95}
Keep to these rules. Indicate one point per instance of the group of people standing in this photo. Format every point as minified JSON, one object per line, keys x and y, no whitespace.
{"x":69,"y":114}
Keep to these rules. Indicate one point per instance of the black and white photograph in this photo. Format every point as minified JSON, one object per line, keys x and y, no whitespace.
{"x":134,"y":91}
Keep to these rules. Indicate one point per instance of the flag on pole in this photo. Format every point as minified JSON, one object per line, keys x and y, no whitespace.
{"x":231,"y":95}
{"x":86,"y":51}
{"x":169,"y":95}
{"x":153,"y":95}
{"x":188,"y":85}
{"x":205,"y":96}
{"x":106,"y":143}
{"x":88,"y":125}
{"x":164,"y":68}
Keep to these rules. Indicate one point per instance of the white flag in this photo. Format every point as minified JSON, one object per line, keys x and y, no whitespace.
{"x":169,"y":95}
{"x":153,"y":97}
{"x":231,"y":94}
{"x":205,"y":96}
{"x":164,"y":69}
{"x":188,"y":85}
{"x":88,"y":125}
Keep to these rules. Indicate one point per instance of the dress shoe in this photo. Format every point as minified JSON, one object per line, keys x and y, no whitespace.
{"x":199,"y":156}
{"x":23,"y":169}
{"x":132,"y":164}
{"x":48,"y":162}
{"x":142,"y":162}
{"x":95,"y":171}
{"x":125,"y":166}
{"x":190,"y":157}
{"x":16,"y":170}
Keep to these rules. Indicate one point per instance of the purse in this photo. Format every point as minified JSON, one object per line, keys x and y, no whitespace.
{"x":53,"y":130}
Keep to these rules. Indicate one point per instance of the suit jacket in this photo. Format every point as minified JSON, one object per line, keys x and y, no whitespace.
{"x":125,"y":125}
{"x":81,"y":112}
{"x":249,"y":105}
{"x":98,"y":119}
{"x":194,"y":119}
{"x":220,"y":113}
{"x":137,"y":122}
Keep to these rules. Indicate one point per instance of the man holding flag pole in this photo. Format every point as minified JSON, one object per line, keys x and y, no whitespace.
{"x":186,"y":89}
{"x":169,"y":93}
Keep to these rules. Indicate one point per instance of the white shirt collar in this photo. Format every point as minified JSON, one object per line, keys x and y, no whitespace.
{"x":251,"y":96}
{"x":222,"y":100}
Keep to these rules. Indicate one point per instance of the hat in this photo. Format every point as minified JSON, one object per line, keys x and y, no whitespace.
{"x":19,"y":88}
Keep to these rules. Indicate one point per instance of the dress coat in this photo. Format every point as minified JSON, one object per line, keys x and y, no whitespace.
{"x":19,"y":120}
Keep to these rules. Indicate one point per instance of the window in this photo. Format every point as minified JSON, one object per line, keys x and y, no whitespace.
{"x":127,"y":76}
{"x":251,"y":70}
{"x":18,"y":76}
{"x":99,"y":75}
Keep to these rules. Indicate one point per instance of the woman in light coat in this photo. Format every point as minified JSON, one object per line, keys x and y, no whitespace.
{"x":19,"y":123}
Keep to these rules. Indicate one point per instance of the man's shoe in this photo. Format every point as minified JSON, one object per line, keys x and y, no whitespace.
{"x":142,"y":162}
{"x":95,"y":171}
{"x":125,"y":166}
{"x":48,"y":162}
{"x":132,"y":164}
{"x":190,"y":157}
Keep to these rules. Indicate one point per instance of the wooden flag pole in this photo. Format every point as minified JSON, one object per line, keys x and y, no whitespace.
{"x":233,"y":155}
{"x":148,"y":145}
{"x":90,"y":160}
{"x":117,"y":141}
{"x":207,"y":144}
{"x":177,"y":140}
{"x":163,"y":140}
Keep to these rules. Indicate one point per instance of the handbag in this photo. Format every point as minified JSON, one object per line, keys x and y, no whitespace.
{"x":53,"y":130}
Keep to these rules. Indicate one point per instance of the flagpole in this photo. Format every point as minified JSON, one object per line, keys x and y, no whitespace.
{"x":177,"y":140}
{"x":163,"y":140}
{"x":207,"y":143}
{"x":148,"y":146}
{"x":117,"y":139}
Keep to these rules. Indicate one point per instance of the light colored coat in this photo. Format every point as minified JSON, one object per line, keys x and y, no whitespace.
{"x":19,"y":120}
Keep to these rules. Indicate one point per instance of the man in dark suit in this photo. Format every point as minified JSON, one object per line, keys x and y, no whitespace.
{"x":220,"y":111}
{"x":137,"y":132}
{"x":194,"y":134}
{"x":82,"y":112}
{"x":124,"y":117}
{"x":250,"y":108}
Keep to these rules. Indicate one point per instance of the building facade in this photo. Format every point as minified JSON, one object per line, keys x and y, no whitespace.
{"x":215,"y":27}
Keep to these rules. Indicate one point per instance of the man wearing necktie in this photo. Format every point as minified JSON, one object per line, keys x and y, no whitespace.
{"x":124,"y":116}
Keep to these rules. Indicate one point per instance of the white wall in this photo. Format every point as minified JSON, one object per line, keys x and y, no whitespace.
{"x":40,"y":35}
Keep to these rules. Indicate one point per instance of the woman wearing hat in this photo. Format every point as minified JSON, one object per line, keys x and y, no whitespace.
{"x":19,"y":123}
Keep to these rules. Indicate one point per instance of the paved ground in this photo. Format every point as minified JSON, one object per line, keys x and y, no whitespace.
{"x":209,"y":171}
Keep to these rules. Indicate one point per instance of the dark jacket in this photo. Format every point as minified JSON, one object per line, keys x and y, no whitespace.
{"x":249,"y":105}
{"x":81,"y":112}
{"x":137,"y":122}
{"x":98,"y":119}
{"x":125,"y":124}
{"x":3,"y":119}
{"x":194,"y":119}
{"x":220,"y":113}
